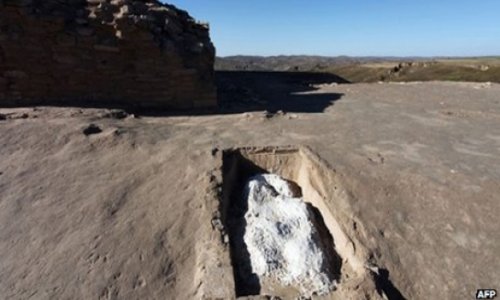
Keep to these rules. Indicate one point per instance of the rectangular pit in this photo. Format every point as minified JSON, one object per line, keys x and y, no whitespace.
{"x":328,"y":202}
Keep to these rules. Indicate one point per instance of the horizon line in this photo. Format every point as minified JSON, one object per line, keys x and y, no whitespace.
{"x":360,"y":56}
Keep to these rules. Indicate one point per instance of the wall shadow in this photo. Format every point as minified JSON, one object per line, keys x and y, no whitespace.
{"x":238,"y":92}
{"x":241,"y":91}
{"x":236,"y":171}
{"x":332,"y":264}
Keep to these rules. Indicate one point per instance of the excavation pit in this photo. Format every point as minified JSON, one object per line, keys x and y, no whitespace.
{"x":280,"y":207}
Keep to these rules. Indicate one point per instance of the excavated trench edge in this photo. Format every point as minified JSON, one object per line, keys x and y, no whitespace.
{"x":300,"y":166}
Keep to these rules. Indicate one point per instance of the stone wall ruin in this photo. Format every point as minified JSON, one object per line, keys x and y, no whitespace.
{"x":87,"y":52}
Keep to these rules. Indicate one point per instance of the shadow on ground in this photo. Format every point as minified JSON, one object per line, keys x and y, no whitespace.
{"x":240,"y":91}
{"x":244,"y":91}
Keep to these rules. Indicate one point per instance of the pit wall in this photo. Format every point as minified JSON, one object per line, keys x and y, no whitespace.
{"x":321,"y":187}
{"x":104,"y":52}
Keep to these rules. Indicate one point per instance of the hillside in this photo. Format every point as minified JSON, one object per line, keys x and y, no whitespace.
{"x":373,"y":69}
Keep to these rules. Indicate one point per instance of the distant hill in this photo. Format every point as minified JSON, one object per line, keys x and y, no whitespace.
{"x":291,"y":63}
{"x":373,"y":69}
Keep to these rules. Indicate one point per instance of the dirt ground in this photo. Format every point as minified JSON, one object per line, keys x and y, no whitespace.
{"x":127,"y":213}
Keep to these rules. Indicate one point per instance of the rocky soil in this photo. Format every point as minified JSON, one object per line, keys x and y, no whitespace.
{"x":101,"y":204}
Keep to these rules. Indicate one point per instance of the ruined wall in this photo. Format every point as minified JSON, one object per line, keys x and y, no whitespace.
{"x":124,"y":52}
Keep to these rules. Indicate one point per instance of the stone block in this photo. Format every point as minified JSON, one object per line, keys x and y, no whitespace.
{"x":124,"y":50}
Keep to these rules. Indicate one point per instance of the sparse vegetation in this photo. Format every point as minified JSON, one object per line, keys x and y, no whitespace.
{"x":373,"y":69}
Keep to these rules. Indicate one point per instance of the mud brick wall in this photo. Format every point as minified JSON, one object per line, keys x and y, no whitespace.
{"x":87,"y":52}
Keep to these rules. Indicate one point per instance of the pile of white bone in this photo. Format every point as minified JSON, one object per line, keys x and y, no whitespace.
{"x":281,"y":239}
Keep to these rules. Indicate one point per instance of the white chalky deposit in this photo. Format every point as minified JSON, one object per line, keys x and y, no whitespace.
{"x":281,"y":238}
